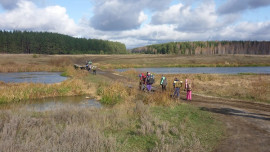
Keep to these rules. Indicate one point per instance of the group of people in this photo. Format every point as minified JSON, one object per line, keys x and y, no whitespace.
{"x":146,"y":82}
{"x":177,"y":84}
{"x":89,"y":66}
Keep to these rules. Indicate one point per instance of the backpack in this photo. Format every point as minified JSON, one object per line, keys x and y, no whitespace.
{"x":189,"y":88}
{"x":163,"y":81}
{"x":151,"y":79}
{"x":141,"y":77}
{"x":177,"y":84}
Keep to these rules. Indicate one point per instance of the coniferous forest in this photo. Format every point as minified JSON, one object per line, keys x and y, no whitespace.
{"x":53,"y":43}
{"x":207,"y":48}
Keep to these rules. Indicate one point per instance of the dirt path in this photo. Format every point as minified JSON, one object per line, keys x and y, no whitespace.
{"x":247,"y":123}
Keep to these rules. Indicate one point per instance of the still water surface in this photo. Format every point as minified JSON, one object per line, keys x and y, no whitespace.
{"x":210,"y":70}
{"x":34,"y":77}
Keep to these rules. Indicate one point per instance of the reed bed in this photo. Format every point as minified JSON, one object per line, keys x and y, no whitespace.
{"x":24,"y":91}
{"x":16,"y":92}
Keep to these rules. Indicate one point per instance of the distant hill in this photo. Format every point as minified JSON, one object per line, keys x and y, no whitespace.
{"x":53,"y":43}
{"x":207,"y":47}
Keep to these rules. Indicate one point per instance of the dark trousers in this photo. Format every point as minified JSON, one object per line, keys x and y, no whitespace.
{"x":163,"y":87}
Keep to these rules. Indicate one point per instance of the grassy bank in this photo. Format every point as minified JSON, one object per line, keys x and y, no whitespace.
{"x":126,"y":127}
{"x":17,"y":92}
{"x":252,"y":87}
{"x":133,"y":121}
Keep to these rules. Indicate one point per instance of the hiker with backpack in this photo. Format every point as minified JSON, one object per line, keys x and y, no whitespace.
{"x":150,"y":81}
{"x":177,"y":85}
{"x":94,"y":68}
{"x":188,"y":88}
{"x":142,"y":81}
{"x":163,"y":82}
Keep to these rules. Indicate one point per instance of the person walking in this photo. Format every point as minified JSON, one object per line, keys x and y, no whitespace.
{"x":142,"y":81}
{"x":150,"y":81}
{"x":94,"y":68}
{"x":177,"y":85}
{"x":188,"y":88}
{"x":163,"y":82}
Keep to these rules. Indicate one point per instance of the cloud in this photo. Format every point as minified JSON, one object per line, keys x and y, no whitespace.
{"x":126,"y":21}
{"x":235,"y":6}
{"x":184,"y":22}
{"x":246,"y":31}
{"x":188,"y":19}
{"x":27,"y":16}
{"x":9,"y":4}
{"x":117,"y":15}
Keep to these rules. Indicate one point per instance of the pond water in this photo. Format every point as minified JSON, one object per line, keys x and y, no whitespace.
{"x":49,"y":104}
{"x":210,"y":70}
{"x":34,"y":77}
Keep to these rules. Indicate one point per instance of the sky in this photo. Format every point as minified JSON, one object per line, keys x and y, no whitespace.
{"x":141,"y":22}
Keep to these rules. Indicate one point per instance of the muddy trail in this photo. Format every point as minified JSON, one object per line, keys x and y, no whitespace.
{"x":247,"y":123}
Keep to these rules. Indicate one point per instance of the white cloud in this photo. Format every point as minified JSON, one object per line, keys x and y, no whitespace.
{"x":143,"y":17}
{"x":246,"y":31}
{"x":187,"y":19}
{"x":27,"y":16}
{"x":121,"y":20}
{"x":118,"y":15}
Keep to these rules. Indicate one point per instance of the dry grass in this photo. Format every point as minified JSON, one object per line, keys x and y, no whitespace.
{"x":135,"y":61}
{"x":29,"y":62}
{"x":32,"y":63}
{"x":16,"y":92}
{"x":126,"y":127}
{"x":247,"y":87}
{"x":253,"y":87}
{"x":25,"y":91}
{"x":68,"y":129}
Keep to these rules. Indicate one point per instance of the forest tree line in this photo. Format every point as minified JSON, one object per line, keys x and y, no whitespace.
{"x":53,"y":43}
{"x":207,"y":47}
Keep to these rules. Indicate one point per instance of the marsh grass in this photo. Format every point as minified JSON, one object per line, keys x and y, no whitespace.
{"x":252,"y":87}
{"x":140,"y":61}
{"x":17,"y":92}
{"x":25,"y":91}
{"x":33,"y":63}
{"x":126,"y":127}
{"x":247,"y":87}
{"x":115,"y":93}
{"x":68,"y":129}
